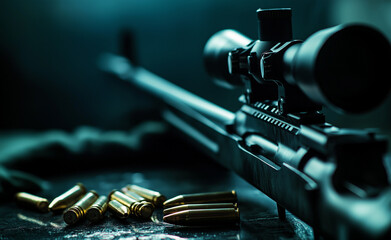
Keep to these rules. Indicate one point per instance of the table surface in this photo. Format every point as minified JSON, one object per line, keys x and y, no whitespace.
{"x":258,"y":213}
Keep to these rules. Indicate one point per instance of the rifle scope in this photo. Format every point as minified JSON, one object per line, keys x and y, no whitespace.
{"x":346,"y":67}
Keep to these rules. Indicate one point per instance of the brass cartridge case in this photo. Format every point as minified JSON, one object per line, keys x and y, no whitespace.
{"x":97,"y":210}
{"x":183,"y":207}
{"x":152,"y":196}
{"x":118,"y":209}
{"x":204,"y":217}
{"x":136,"y":208}
{"x":79,"y":209}
{"x":32,"y":201}
{"x":196,"y":198}
{"x":68,"y":198}
{"x":137,"y":197}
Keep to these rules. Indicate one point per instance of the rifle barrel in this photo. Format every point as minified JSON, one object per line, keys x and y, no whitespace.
{"x":163,"y":89}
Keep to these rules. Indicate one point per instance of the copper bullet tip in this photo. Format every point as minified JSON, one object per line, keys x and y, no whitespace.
{"x":178,"y":200}
{"x":68,"y":198}
{"x":173,"y":217}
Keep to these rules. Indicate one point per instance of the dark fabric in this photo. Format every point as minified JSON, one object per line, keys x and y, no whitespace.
{"x":27,"y":158}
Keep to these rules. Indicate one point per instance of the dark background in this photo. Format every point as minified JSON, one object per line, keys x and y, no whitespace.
{"x":49,"y":79}
{"x":49,"y":49}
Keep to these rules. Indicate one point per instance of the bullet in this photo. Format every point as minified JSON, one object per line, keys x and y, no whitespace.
{"x":79,"y":209}
{"x":68,"y":198}
{"x":203,"y":217}
{"x":137,"y":197}
{"x":152,"y":196}
{"x":32,"y":201}
{"x":196,"y":198}
{"x":183,"y":207}
{"x":118,"y":209}
{"x":136,"y":208}
{"x":97,"y":210}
